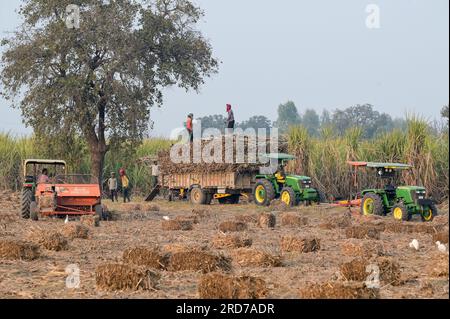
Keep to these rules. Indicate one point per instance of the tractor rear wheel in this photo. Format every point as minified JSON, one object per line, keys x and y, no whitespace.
{"x":34,"y":213}
{"x":288,"y":197}
{"x":27,"y":196}
{"x":197,"y":196}
{"x":400,"y":212}
{"x":263,"y":192}
{"x":429,"y":214}
{"x":372,"y":204}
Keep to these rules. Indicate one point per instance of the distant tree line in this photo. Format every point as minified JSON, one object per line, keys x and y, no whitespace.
{"x":364,"y":116}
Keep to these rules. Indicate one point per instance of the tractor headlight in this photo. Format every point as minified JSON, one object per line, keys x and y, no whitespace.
{"x":420,"y":194}
{"x":306,"y":184}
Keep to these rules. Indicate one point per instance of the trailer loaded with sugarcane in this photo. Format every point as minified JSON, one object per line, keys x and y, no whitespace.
{"x":227,"y":183}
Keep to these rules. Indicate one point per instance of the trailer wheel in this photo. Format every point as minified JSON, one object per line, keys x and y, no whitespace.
{"x":27,"y":196}
{"x":263,"y":192}
{"x":197,"y":196}
{"x":99,"y":211}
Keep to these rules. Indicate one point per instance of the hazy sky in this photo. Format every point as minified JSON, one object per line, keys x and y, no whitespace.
{"x":318,"y":53}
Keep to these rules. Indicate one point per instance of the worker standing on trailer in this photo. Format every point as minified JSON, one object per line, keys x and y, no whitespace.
{"x":125,"y":185}
{"x":113,"y":185}
{"x":190,"y":127}
{"x":230,"y":118}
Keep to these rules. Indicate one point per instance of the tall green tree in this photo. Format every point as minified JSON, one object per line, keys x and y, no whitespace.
{"x":101,"y":79}
{"x":287,"y":116}
{"x":256,"y":122}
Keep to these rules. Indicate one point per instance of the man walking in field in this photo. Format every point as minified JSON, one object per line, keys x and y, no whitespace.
{"x":125,"y":185}
{"x":113,"y":185}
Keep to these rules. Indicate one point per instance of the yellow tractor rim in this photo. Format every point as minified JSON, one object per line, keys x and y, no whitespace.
{"x":398,"y":213}
{"x":428,"y":215}
{"x":196,"y":195}
{"x":286,"y":198}
{"x":368,"y":206}
{"x":260,"y":193}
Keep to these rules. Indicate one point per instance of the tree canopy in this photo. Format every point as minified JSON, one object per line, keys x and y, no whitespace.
{"x":100,"y":80}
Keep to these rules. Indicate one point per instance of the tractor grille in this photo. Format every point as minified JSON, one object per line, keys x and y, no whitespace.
{"x":305,"y":184}
{"x":418,"y":195}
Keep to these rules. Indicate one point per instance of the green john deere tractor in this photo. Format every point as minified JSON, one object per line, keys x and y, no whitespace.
{"x":402,"y":201}
{"x":290,"y":189}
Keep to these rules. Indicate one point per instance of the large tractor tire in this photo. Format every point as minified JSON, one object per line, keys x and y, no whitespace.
{"x":197,"y":196}
{"x":288,"y":197}
{"x":34,"y":211}
{"x":27,"y":197}
{"x":263,"y":192}
{"x":372,"y":204}
{"x":429,"y":214}
{"x":400,"y":212}
{"x":230,"y":200}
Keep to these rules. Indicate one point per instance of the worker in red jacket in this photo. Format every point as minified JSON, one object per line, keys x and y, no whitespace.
{"x":230,"y":118}
{"x":190,"y":127}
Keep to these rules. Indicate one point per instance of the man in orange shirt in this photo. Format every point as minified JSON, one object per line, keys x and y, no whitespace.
{"x":190,"y":127}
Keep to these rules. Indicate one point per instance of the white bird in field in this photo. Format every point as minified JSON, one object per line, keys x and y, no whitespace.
{"x":66,"y":221}
{"x":414,"y":244}
{"x":166,"y":218}
{"x":441,"y":247}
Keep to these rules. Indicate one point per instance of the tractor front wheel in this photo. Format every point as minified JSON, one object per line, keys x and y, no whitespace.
{"x":27,"y":197}
{"x":372,"y":204}
{"x":288,"y":197}
{"x":263,"y":192}
{"x":429,"y":214}
{"x":400,"y":212}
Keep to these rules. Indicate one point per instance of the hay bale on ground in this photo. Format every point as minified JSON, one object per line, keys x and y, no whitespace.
{"x":338,"y":290}
{"x":149,"y":257}
{"x":247,"y":218}
{"x":232,"y":226}
{"x":221,"y":286}
{"x":360,"y":248}
{"x":439,"y":264}
{"x":267,"y":220}
{"x":362,"y":232}
{"x":198,"y":260}
{"x":192,"y":218}
{"x":73,"y":231}
{"x":278,"y":205}
{"x":90,"y":220}
{"x":250,"y":257}
{"x":172,"y":225}
{"x":302,"y":245}
{"x":441,"y":237}
{"x":176,"y":247}
{"x":222,"y":241}
{"x":293,"y":220}
{"x":18,"y":250}
{"x":50,"y":240}
{"x":343,"y":220}
{"x":113,"y":277}
{"x":357,"y":270}
{"x":202,"y":213}
{"x":411,"y":228}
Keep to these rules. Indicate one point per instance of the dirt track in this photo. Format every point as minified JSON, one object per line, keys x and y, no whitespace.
{"x":45,"y":276}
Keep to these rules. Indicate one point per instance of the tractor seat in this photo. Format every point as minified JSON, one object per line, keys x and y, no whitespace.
{"x":390,"y":190}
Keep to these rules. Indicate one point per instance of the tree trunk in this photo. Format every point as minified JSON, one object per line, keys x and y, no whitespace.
{"x":97,"y":165}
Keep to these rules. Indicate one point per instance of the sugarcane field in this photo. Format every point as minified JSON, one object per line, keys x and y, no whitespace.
{"x":190,"y":150}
